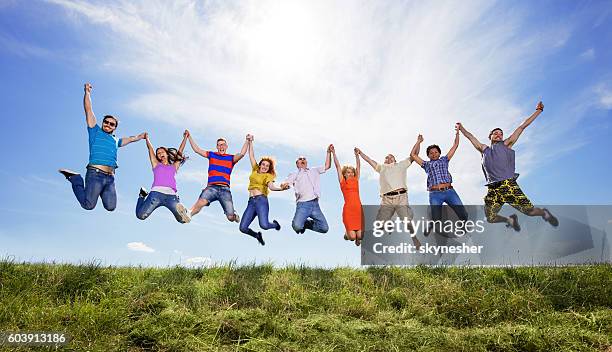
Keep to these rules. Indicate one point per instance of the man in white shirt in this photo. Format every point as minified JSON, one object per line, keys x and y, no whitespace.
{"x":307,"y":186}
{"x":393,"y":190}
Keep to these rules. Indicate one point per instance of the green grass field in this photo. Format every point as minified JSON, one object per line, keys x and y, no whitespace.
{"x":262,"y":308}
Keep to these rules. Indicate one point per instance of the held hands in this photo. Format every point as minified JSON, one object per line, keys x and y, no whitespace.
{"x":143,"y":135}
{"x":331,"y":149}
{"x":540,"y":106}
{"x":284,"y":186}
{"x":357,"y":151}
{"x":146,"y":136}
{"x":459,"y":127}
{"x":88,"y":88}
{"x":186,"y":134}
{"x":250,"y":138}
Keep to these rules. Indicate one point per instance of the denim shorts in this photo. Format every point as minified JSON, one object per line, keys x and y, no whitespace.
{"x":221,"y":193}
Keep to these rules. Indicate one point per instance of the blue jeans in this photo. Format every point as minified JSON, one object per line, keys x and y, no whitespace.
{"x":97,"y":184}
{"x":257,"y":206}
{"x":222,"y":194}
{"x":450,"y":197}
{"x":154,"y":200}
{"x":309,"y":209}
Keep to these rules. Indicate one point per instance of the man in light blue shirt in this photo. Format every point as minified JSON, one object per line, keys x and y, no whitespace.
{"x":103,"y":145}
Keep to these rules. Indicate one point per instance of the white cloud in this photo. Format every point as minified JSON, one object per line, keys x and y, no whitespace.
{"x":302,"y":74}
{"x":21,"y":48}
{"x":588,"y":54}
{"x":198,"y":262}
{"x":35,"y":180}
{"x":605,"y":98}
{"x":139,"y":247}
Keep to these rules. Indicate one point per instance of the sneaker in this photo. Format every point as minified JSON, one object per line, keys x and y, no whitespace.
{"x":515,"y":223}
{"x":301,"y":231}
{"x":308,"y":224}
{"x":236,"y":218}
{"x":259,"y":238}
{"x":143,"y":192}
{"x":67,"y":173}
{"x":183,"y":212}
{"x":549,"y":218}
{"x":278,"y":227}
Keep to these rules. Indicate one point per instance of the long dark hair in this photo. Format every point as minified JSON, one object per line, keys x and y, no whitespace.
{"x":173,"y":155}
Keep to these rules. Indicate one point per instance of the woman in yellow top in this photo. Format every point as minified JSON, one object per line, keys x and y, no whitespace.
{"x":261,"y":182}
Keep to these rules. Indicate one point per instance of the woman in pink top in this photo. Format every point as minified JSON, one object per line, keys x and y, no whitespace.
{"x":165,"y":163}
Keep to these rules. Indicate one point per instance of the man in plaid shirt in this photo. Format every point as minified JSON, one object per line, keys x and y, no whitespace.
{"x":439,"y":180}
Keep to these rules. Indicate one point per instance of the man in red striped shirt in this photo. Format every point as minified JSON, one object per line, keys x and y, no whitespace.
{"x":220,"y":166}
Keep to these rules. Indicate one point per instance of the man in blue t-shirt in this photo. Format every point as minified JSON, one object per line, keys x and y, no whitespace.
{"x":103,"y":145}
{"x":498,"y":165}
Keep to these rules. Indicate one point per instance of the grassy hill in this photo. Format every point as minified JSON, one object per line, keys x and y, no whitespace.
{"x":261,"y":308}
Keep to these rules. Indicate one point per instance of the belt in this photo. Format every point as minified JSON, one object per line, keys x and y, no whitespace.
{"x":395,"y":193}
{"x":442,"y":189}
{"x":91,"y":167}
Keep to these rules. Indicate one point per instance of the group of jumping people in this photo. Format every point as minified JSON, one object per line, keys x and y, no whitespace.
{"x":498,"y":165}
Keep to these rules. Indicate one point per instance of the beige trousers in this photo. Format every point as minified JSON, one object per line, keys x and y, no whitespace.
{"x":390,"y":205}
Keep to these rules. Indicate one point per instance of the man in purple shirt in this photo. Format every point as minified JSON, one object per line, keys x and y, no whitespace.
{"x":498,"y":165}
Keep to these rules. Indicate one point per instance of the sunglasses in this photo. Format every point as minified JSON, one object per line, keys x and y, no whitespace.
{"x":302,"y":158}
{"x":110,"y":123}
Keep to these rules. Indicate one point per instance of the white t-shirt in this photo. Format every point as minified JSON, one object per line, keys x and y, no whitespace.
{"x":393,"y":176}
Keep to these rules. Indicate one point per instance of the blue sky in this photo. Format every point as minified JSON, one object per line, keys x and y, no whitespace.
{"x":298,"y":75}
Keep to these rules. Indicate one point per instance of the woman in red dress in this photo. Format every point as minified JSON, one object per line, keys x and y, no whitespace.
{"x":352,"y":216}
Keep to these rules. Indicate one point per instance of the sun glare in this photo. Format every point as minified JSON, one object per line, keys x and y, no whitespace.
{"x":282,"y":40}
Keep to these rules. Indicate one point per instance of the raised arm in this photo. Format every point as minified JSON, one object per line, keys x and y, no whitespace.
{"x":510,"y":141}
{"x":127,"y":140}
{"x":475,"y":142}
{"x":367,"y":159}
{"x":453,"y":149}
{"x":328,"y":157}
{"x":181,"y":149}
{"x":337,"y":164}
{"x":195,"y":146}
{"x":357,"y":163}
{"x":183,"y":142}
{"x":251,"y":150}
{"x":414,"y":153}
{"x":152,"y":156}
{"x":90,"y":117}
{"x":243,"y":151}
